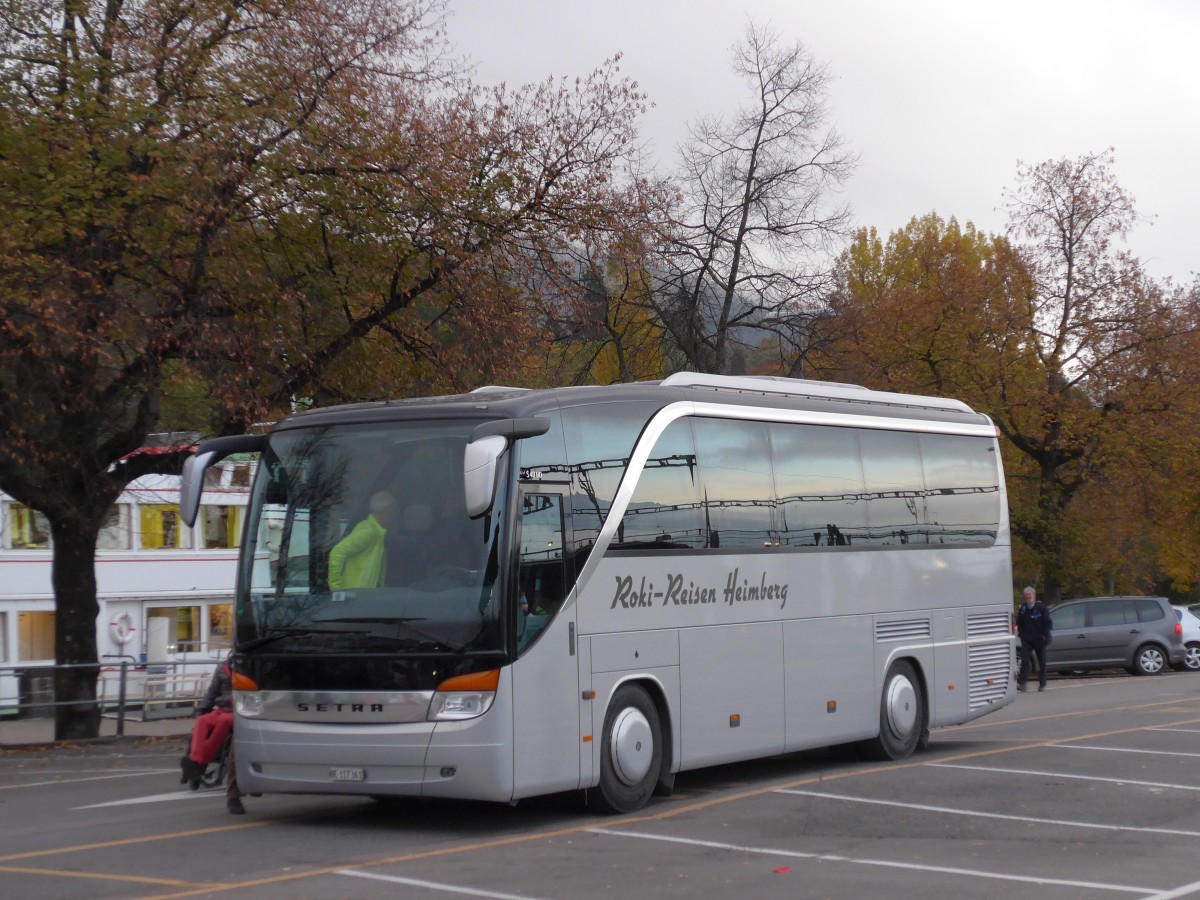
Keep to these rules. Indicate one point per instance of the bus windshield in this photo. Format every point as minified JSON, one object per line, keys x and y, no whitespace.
{"x":359,"y":544}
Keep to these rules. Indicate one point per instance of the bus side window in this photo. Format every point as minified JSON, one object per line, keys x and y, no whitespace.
{"x":665,"y":510}
{"x":541,"y":577}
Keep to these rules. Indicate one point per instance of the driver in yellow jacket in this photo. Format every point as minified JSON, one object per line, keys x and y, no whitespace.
{"x":359,"y":560}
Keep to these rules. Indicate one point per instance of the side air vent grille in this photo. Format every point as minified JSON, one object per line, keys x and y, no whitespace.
{"x":989,"y":668}
{"x":906,"y":630}
{"x":984,"y":624}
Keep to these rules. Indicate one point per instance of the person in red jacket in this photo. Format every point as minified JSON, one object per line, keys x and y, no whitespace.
{"x":213,"y":726}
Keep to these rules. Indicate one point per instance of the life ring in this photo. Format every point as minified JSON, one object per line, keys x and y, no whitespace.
{"x":121,"y":628}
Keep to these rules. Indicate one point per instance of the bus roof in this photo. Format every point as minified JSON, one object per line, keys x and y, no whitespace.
{"x":497,"y":402}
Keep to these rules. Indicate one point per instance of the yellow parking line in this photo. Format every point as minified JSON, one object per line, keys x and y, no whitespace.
{"x":992,"y":723}
{"x":103,"y":876}
{"x":125,"y":842}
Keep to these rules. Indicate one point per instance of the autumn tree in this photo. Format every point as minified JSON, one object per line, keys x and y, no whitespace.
{"x":758,"y":212}
{"x":219,"y":210}
{"x":1053,"y":331}
{"x":1101,"y":326}
{"x":600,"y":309}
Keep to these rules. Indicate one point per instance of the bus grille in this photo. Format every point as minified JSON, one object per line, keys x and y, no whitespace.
{"x":989,"y":668}
{"x":983,"y":624}
{"x":902,"y":631}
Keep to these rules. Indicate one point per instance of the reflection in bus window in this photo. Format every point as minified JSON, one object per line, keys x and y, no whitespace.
{"x":541,"y":576}
{"x":599,"y":439}
{"x":894,"y":486}
{"x":737,"y":489}
{"x":665,"y":511}
{"x":962,"y":483}
{"x":818,"y":477}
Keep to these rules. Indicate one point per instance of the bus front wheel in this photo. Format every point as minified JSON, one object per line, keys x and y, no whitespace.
{"x":901,"y":715}
{"x":631,"y":751}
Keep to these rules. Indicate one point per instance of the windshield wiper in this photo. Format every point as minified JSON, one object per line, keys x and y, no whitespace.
{"x":406,"y":622}
{"x":277,"y":634}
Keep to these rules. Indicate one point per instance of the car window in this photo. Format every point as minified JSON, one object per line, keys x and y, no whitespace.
{"x":1113,"y":612}
{"x":1149,"y":610}
{"x":1070,"y":616}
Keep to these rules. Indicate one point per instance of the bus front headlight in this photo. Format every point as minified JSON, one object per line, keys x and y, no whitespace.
{"x":248,"y":703}
{"x":464,"y":696}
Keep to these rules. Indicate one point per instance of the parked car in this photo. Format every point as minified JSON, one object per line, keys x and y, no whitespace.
{"x":1191,"y":637}
{"x":1141,"y":634}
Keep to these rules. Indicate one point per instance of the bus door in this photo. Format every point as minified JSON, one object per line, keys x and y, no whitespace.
{"x":545,"y":675}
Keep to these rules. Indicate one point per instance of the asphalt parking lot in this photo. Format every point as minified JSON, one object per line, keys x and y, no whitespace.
{"x":1086,"y":790}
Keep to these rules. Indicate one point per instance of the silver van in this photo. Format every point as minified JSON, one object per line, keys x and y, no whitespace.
{"x":1141,"y":634}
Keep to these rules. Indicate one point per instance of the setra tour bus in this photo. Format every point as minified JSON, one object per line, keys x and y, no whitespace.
{"x":517,"y":592}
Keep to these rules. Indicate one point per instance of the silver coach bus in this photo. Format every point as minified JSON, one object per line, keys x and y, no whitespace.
{"x":598,"y":587}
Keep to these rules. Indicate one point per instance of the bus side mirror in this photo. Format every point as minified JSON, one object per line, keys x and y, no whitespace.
{"x":208,"y":453}
{"x":480,"y":460}
{"x":193,"y":485}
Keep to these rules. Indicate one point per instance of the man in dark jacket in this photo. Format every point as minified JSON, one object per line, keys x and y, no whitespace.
{"x":1033,"y":628}
{"x":213,"y":726}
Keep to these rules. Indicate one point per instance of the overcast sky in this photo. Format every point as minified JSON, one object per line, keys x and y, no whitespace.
{"x":940,"y":98}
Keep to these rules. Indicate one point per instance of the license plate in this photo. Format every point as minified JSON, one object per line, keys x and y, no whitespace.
{"x":346,"y":774}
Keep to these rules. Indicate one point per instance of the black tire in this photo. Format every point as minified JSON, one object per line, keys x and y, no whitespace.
{"x":1150,"y":659}
{"x":631,"y":752}
{"x":902,"y":719}
{"x":1191,"y":657}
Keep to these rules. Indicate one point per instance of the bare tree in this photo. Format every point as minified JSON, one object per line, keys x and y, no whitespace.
{"x":757,"y":215}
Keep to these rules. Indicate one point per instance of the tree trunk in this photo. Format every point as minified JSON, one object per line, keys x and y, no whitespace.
{"x":74,"y":579}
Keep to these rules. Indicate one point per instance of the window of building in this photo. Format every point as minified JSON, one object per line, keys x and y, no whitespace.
{"x":35,"y":636}
{"x":27,"y":529}
{"x":222,"y":526}
{"x":183,"y":627}
{"x":162,"y":529}
{"x":220,"y":626}
{"x":114,"y":533}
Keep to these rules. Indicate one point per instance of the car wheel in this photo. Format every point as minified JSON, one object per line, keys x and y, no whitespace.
{"x":901,"y":715}
{"x":631,"y":753}
{"x":1149,"y":660}
{"x":1191,"y":656}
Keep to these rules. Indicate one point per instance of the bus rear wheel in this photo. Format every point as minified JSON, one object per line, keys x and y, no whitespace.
{"x":901,"y":715}
{"x":630,"y":752}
